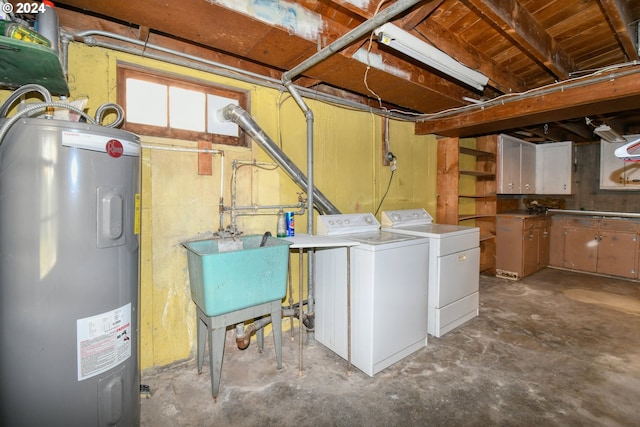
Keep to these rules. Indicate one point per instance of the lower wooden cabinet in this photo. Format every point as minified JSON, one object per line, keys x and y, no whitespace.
{"x":522,"y":244}
{"x":596,"y":245}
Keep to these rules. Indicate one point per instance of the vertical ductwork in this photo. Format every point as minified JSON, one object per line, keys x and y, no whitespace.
{"x":240,"y":117}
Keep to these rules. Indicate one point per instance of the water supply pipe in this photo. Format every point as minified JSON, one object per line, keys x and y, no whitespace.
{"x":182,"y":59}
{"x":110,"y":106}
{"x":34,"y":107}
{"x":22,"y":90}
{"x":240,"y":117}
{"x":308,"y":114}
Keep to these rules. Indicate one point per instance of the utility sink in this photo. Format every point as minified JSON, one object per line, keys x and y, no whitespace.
{"x":232,"y":274}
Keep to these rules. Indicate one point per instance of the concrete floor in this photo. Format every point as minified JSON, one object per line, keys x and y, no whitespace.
{"x":556,"y":348}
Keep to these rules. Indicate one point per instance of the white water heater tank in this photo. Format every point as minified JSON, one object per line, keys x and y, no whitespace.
{"x":68,"y":275}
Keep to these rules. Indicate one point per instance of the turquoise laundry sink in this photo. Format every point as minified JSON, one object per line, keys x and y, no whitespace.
{"x":227,"y":275}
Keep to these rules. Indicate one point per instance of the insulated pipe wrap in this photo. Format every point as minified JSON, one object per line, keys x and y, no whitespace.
{"x":240,"y":117}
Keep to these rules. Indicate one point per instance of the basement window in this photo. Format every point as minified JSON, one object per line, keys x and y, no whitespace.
{"x":172,"y":106}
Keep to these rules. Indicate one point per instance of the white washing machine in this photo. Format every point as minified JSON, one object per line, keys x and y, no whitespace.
{"x":388,"y":292}
{"x":454,"y":266}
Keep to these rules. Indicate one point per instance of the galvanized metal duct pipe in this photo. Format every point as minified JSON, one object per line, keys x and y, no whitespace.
{"x":240,"y":117}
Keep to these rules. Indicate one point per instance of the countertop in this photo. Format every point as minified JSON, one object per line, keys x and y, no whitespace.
{"x":550,"y":212}
{"x":521,"y":214}
{"x":594,"y":213}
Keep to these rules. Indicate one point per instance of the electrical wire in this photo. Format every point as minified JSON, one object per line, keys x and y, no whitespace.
{"x":366,"y":72}
{"x":385,"y":193}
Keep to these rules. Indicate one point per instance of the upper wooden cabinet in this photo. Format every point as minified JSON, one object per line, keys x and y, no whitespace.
{"x":516,"y":172}
{"x":554,"y":168}
{"x":527,"y":168}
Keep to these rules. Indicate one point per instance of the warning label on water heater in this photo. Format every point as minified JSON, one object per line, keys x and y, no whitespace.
{"x":104,"y":341}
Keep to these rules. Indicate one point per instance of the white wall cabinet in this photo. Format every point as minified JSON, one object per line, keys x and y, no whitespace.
{"x":554,"y":168}
{"x":516,"y":166}
{"x":528,"y":168}
{"x":616,"y":174}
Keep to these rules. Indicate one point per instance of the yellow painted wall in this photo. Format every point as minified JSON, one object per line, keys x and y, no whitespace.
{"x":179,"y":205}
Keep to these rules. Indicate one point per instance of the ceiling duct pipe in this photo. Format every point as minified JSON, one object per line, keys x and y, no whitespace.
{"x":240,"y":117}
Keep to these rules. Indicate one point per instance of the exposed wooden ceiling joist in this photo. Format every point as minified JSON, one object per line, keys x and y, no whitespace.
{"x":446,"y":41}
{"x":518,"y":25}
{"x":619,"y":17}
{"x":412,"y":19}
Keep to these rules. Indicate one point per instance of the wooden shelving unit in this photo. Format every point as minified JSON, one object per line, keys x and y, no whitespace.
{"x":487,"y":206}
{"x":484,"y":198}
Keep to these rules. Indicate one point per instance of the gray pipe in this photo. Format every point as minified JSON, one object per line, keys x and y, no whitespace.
{"x":200,"y":64}
{"x":287,"y":77}
{"x":366,"y":27}
{"x":308,"y":114}
{"x":240,"y":117}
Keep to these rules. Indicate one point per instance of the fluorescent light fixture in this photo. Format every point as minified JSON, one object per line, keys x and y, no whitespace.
{"x":412,"y":46}
{"x":605,"y":132}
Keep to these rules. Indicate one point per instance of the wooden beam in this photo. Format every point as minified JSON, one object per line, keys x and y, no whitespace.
{"x":75,"y":21}
{"x":448,"y":181}
{"x":357,"y":11}
{"x":519,"y":26}
{"x":205,"y":165}
{"x":143,"y":33}
{"x":600,"y":94}
{"x":619,"y":17}
{"x":418,"y":15}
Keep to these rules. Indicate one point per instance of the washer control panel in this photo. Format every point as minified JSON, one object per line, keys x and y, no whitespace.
{"x":333,"y":225}
{"x":406,"y":217}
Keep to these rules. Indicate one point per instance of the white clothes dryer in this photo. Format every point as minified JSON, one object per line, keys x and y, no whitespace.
{"x":454,"y":266}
